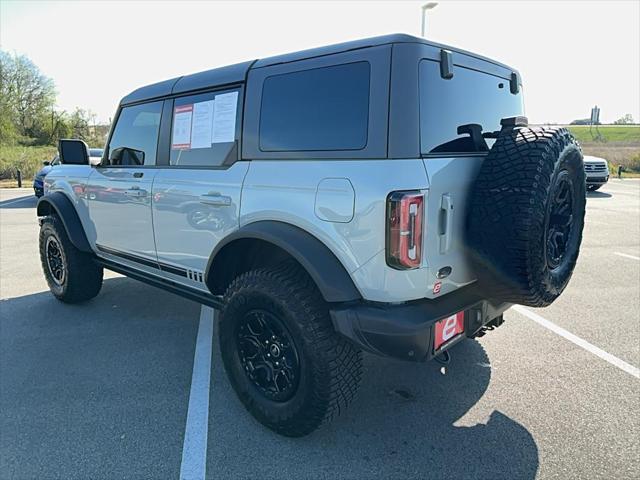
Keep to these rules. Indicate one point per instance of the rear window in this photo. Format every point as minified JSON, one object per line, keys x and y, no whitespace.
{"x":467,"y":98}
{"x":316,"y":110}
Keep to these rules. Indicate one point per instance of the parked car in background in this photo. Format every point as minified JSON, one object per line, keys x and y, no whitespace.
{"x":38,"y":180}
{"x":597,"y":170}
{"x":95,"y":155}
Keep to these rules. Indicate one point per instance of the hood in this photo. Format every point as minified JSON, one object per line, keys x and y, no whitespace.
{"x":43,"y":171}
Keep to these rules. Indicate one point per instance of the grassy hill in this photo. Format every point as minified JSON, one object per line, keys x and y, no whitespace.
{"x":609,"y":133}
{"x":619,"y":144}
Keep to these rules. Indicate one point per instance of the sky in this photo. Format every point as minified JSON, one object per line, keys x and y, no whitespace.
{"x":572,"y":55}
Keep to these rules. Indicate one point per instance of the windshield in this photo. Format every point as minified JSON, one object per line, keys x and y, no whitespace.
{"x":470,"y":97}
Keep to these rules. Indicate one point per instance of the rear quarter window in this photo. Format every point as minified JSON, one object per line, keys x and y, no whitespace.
{"x":319,"y":109}
{"x":468,"y":97}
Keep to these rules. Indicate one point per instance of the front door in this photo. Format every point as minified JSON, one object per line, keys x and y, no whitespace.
{"x":119,"y":190}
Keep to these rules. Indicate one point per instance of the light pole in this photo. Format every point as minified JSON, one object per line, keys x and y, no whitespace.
{"x":425,"y":7}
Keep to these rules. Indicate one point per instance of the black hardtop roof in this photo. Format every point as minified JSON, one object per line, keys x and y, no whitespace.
{"x":237,"y":73}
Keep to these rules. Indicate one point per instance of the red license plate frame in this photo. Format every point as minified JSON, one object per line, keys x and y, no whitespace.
{"x":447,"y":329}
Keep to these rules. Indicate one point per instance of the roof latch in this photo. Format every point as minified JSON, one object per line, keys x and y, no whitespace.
{"x":446,"y":64}
{"x":514,"y":83}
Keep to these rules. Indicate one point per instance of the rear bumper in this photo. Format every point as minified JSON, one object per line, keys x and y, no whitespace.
{"x":406,"y":331}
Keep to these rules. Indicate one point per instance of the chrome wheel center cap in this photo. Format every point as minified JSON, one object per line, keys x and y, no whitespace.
{"x":274,"y":350}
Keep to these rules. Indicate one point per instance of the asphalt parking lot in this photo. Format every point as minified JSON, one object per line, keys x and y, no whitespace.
{"x":103,"y":390}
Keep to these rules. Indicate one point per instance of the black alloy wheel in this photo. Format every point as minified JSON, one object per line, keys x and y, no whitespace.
{"x":560,"y":220}
{"x":268,"y":355}
{"x":55,"y":260}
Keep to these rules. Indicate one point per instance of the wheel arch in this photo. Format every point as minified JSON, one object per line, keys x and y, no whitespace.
{"x":58,"y":203}
{"x":263,"y":243}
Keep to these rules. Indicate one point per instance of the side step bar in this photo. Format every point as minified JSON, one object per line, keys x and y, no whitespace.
{"x":168,"y":285}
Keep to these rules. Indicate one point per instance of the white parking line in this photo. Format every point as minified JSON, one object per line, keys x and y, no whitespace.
{"x":5,"y":203}
{"x":612,"y":359}
{"x":194,"y":448}
{"x":626,"y":255}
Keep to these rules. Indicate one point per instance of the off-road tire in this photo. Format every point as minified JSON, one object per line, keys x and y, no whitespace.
{"x":330,"y":366}
{"x":82,"y":279}
{"x":509,"y":214}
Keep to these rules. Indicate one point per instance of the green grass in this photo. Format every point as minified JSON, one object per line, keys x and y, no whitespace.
{"x":618,"y":144}
{"x":27,"y":159}
{"x":609,"y":133}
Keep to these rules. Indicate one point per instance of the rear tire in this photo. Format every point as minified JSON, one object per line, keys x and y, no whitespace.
{"x":73,"y":276}
{"x":319,"y":371}
{"x":526,"y":215}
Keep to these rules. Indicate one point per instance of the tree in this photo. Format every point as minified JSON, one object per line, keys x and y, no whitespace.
{"x":26,"y":96}
{"x":8,"y":131}
{"x":625,"y":120}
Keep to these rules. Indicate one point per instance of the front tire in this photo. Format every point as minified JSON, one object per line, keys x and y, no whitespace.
{"x":286,"y":363}
{"x":72,"y":275}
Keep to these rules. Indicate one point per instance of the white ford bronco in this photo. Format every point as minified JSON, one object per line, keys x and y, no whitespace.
{"x":383,"y":195}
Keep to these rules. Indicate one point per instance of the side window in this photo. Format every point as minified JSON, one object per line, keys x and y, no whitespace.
{"x":135,"y":138}
{"x":204,"y":128}
{"x":320,"y":109}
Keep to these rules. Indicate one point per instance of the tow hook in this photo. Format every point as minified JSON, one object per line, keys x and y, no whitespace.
{"x":443,"y":358}
{"x":492,"y":325}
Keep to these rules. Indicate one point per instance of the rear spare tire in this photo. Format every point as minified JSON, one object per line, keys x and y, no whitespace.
{"x":526,"y":215}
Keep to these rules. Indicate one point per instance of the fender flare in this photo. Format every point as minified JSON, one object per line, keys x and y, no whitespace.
{"x":328,"y":273}
{"x":59,"y":203}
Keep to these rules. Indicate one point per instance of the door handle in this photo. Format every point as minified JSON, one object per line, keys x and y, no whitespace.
{"x":135,"y":192}
{"x":215,"y":199}
{"x":138,"y":174}
{"x":446,"y":222}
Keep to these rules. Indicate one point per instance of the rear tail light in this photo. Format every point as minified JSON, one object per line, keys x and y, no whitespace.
{"x":405,"y":217}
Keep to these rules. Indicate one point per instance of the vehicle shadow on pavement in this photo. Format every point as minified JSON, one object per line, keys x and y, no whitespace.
{"x":97,"y":390}
{"x":101,"y":390}
{"x":598,"y":195}
{"x":401,"y":426}
{"x":28,"y":201}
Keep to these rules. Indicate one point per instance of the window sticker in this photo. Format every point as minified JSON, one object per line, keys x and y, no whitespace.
{"x":224,"y":117}
{"x":202,"y":124}
{"x":181,"y":138}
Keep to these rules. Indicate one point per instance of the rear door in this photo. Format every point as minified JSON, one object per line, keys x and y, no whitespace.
{"x":119,"y":190}
{"x":196,"y":192}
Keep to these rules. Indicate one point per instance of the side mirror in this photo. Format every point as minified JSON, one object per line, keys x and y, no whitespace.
{"x":73,"y":152}
{"x":46,"y":163}
{"x":126,"y":156}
